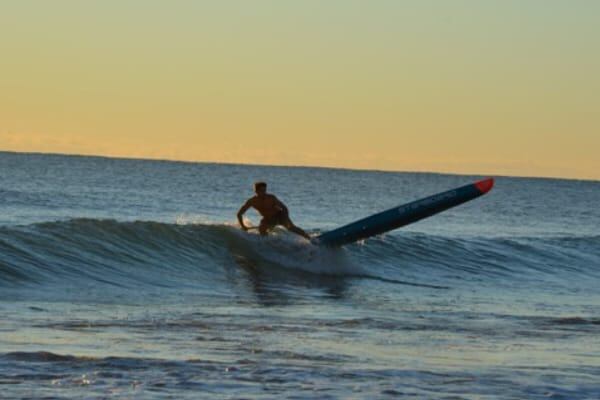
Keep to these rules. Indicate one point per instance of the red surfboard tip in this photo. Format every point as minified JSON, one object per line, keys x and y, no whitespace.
{"x":485,"y":185}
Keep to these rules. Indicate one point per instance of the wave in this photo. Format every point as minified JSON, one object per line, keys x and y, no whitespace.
{"x":153,"y":253}
{"x":131,"y":254}
{"x":495,"y":256}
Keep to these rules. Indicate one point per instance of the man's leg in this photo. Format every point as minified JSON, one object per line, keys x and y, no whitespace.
{"x":264,"y":227}
{"x":289,"y":225}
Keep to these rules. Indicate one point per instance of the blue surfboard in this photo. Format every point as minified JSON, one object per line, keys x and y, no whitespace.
{"x":403,"y":215}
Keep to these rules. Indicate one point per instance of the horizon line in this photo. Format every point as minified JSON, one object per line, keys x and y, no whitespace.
{"x":160,"y":159}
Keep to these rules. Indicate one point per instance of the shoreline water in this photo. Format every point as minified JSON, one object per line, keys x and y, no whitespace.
{"x":125,"y":278}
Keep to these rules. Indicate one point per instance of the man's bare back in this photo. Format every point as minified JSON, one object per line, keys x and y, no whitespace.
{"x":273,"y":211}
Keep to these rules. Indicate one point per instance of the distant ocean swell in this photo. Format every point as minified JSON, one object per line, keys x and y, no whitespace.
{"x":159,"y":254}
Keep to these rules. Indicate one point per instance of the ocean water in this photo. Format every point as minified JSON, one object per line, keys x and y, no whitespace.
{"x":129,"y":279}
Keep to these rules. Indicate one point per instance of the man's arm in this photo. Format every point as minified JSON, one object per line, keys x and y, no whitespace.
{"x":280,"y":205}
{"x":241,"y":212}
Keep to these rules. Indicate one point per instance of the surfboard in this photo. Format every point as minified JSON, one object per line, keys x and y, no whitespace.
{"x":403,"y":215}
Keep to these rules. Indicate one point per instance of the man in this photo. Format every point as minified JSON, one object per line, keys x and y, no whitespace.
{"x":273,"y":211}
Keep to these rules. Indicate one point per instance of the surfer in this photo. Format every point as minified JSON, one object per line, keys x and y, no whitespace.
{"x":273,"y":212}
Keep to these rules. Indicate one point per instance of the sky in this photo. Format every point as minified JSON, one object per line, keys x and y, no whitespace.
{"x":484,"y":87}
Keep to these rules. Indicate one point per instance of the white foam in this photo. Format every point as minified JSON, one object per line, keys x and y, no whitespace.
{"x":293,"y":252}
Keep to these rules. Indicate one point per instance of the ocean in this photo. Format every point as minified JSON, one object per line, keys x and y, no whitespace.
{"x":129,"y":279}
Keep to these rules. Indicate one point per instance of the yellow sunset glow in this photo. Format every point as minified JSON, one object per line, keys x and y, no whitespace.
{"x":506,"y":87}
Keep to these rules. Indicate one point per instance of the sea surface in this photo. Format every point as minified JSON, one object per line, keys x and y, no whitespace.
{"x":129,"y":279}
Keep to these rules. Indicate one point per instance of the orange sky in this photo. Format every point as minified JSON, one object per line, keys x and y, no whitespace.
{"x":505,"y":87}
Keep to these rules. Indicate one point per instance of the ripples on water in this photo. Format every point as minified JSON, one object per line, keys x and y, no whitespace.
{"x":140,"y":287}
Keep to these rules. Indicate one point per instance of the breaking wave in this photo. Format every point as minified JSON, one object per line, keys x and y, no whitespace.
{"x":160,"y":254}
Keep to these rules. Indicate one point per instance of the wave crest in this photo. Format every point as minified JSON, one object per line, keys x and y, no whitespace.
{"x":161,"y":254}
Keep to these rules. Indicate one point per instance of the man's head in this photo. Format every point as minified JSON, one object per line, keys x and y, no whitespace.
{"x":260,"y":188}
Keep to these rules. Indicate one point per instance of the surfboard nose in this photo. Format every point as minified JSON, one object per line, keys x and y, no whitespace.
{"x":485,"y":185}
